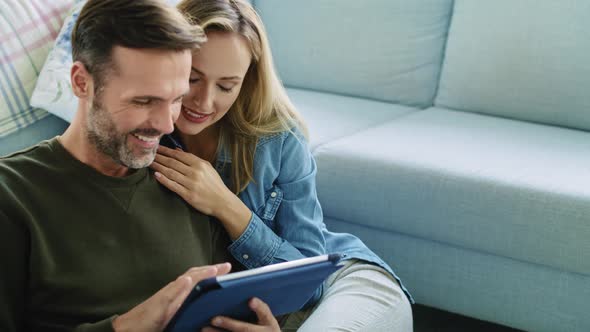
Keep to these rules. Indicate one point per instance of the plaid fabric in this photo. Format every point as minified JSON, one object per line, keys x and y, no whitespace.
{"x":27,"y":31}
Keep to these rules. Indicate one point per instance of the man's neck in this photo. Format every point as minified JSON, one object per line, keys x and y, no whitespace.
{"x":75,"y":141}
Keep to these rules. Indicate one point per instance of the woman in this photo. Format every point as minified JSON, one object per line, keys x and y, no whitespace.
{"x":238,"y":117}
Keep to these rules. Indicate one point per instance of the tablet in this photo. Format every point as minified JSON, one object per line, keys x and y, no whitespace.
{"x":285,"y":287}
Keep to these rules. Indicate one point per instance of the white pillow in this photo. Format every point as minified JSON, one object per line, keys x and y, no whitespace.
{"x":27,"y":31}
{"x":54,"y":90}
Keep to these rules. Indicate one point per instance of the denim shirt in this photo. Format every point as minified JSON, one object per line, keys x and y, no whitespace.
{"x":287,"y":219}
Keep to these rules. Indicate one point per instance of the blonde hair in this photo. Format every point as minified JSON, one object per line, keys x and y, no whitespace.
{"x":262,"y":106}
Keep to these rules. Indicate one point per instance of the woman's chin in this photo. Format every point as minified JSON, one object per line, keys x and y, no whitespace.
{"x":188,"y":128}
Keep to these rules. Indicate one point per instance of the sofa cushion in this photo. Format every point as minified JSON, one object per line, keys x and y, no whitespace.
{"x":389,"y":50}
{"x":46,"y":128}
{"x":523,"y":59}
{"x":488,"y":287}
{"x":329,"y":116}
{"x":27,"y":31}
{"x":495,"y":185}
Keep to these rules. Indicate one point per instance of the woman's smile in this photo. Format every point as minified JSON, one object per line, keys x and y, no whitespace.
{"x":194,"y":116}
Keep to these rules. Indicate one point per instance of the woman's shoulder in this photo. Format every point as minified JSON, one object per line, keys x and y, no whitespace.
{"x":286,"y":152}
{"x":292,"y":135}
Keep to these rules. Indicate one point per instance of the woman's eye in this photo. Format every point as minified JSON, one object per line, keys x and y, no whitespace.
{"x":224,"y":89}
{"x":193,"y":80}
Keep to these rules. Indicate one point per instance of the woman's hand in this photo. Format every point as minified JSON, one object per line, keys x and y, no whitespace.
{"x":199,"y":184}
{"x":266,"y":321}
{"x":193,"y":178}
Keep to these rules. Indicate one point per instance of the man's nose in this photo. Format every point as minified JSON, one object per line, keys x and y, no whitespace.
{"x":164,"y":117}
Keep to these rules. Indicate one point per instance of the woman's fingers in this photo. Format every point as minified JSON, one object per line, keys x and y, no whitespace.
{"x":184,"y":157}
{"x":173,"y":163}
{"x":171,"y":174}
{"x":176,"y":187}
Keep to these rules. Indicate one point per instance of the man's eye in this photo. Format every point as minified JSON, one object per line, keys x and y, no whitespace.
{"x":142,"y":102}
{"x":193,"y":80}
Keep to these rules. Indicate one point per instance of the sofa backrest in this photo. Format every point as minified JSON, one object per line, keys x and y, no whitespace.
{"x":388,"y":50}
{"x":525,"y":59}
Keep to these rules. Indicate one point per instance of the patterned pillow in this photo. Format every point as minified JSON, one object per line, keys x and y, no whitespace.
{"x":54,"y":91}
{"x":27,"y":31}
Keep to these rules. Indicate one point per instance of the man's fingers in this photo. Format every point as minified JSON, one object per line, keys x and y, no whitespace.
{"x":198,"y":274}
{"x":181,"y":288}
{"x":223,"y":268}
{"x":173,"y":299}
{"x":263,"y":312}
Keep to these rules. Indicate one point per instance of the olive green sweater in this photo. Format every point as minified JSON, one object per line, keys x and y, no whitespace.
{"x":78,"y":247}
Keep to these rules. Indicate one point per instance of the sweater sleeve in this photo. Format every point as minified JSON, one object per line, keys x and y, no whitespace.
{"x":14,"y":253}
{"x":105,"y":325}
{"x":13,"y":279}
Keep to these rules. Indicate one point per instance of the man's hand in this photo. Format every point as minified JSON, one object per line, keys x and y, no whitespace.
{"x":266,"y":321}
{"x":156,"y":312}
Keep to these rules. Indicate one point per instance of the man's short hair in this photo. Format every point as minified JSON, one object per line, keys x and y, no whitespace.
{"x":138,"y":24}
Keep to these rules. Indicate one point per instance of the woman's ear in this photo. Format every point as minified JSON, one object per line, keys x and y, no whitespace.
{"x":82,"y":84}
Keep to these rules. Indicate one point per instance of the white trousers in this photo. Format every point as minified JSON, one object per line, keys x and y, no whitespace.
{"x":358,"y":297}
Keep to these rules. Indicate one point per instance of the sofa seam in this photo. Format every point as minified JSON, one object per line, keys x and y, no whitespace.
{"x":444,"y":53}
{"x":376,"y":125}
{"x":456,"y":246}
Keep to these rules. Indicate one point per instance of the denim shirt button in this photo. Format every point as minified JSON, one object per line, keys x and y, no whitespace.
{"x":273,"y":194}
{"x":245,"y":256}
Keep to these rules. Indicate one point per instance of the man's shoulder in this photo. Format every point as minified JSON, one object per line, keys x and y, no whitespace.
{"x":32,"y":150}
{"x":26,"y":162}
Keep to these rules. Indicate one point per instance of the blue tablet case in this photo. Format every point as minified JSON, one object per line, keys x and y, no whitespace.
{"x":285,"y":291}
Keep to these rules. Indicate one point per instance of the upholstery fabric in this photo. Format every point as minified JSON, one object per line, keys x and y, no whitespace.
{"x":329,"y":116}
{"x":499,"y":186}
{"x":494,"y":288}
{"x":524,"y":59}
{"x":387,"y":50}
{"x":45,"y":128}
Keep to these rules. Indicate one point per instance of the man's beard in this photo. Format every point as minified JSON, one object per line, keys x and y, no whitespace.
{"x":103,"y":134}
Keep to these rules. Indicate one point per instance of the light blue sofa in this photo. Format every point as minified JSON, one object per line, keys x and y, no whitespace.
{"x":453,"y":137}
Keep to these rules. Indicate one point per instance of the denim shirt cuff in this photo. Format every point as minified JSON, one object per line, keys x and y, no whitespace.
{"x":256,"y":246}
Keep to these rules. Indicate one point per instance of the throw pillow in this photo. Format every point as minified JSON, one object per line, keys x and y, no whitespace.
{"x":27,"y":31}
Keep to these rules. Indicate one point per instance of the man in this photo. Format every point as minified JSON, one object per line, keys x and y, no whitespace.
{"x":89,"y":241}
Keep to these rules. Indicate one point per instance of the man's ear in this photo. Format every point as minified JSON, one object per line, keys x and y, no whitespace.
{"x":82,"y":83}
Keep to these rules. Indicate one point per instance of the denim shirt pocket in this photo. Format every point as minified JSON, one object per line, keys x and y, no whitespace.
{"x":273,"y":198}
